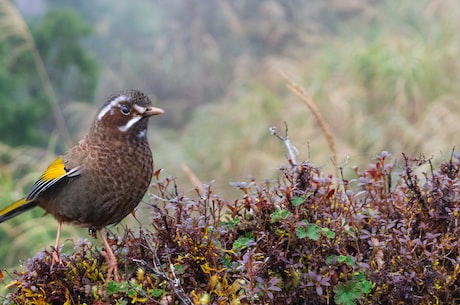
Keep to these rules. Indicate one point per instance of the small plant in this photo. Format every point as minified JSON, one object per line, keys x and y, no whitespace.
{"x":305,"y":238}
{"x":352,"y":291}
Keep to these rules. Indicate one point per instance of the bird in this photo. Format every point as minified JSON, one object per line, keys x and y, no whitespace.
{"x":101,"y":179}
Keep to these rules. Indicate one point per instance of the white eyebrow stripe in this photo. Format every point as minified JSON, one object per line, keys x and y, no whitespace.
{"x":130,"y":123}
{"x":140,"y":109}
{"x":113,"y":103}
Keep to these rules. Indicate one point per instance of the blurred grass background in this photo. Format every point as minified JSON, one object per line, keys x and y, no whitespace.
{"x":384,"y":74}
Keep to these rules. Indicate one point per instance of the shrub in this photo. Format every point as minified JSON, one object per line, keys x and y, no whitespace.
{"x":384,"y":237}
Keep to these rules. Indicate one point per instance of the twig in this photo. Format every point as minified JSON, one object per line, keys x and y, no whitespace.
{"x":292,"y":150}
{"x":174,"y":281}
{"x":307,"y":100}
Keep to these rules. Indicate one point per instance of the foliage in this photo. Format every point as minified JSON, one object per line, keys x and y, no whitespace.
{"x":72,"y":69}
{"x":380,"y":84}
{"x":190,"y":53}
{"x":384,"y":74}
{"x":303,"y":239}
{"x":391,"y":80}
{"x":16,"y":103}
{"x":241,"y":126}
{"x":24,"y":95}
{"x":378,"y":70}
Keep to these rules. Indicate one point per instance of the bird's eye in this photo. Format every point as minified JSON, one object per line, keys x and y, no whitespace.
{"x":125,"y":110}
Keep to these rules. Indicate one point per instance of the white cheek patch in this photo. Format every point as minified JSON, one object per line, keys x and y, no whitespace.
{"x":112,"y":104}
{"x":130,"y":123}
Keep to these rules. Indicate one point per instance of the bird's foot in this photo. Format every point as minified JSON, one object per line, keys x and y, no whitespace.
{"x":55,"y":257}
{"x":110,"y":258}
{"x":113,"y":266}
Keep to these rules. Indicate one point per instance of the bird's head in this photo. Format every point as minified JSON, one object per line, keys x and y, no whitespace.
{"x":125,"y":115}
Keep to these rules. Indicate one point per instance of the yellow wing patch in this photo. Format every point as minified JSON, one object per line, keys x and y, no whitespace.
{"x":54,"y":173}
{"x":55,"y":170}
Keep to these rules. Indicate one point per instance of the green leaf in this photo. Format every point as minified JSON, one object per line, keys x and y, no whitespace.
{"x":179,"y":269}
{"x":242,"y":242}
{"x":329,"y":234}
{"x":301,"y":232}
{"x":231,"y":224}
{"x":115,"y":287}
{"x":347,"y":294}
{"x":347,"y":259}
{"x":364,"y":284}
{"x":132,"y":293}
{"x":226,"y":261}
{"x":296,"y":201}
{"x":313,"y":231}
{"x":156,"y":292}
{"x":330,"y":259}
{"x":341,"y":259}
{"x":279,"y":215}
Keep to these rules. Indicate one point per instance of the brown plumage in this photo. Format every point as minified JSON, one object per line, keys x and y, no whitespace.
{"x":102,"y":179}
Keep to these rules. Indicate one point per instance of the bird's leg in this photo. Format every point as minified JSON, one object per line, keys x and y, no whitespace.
{"x":110,"y":258}
{"x":56,"y":257}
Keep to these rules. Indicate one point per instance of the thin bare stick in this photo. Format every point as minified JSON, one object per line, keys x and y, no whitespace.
{"x":307,"y":100}
{"x":292,"y":150}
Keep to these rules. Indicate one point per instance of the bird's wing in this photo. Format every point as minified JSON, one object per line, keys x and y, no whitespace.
{"x":54,"y":173}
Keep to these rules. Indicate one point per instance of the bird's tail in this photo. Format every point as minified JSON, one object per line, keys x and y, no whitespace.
{"x":16,"y":208}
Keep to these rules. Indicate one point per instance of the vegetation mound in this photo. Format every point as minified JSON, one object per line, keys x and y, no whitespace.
{"x":385,"y":236}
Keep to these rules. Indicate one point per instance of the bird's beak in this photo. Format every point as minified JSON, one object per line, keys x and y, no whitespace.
{"x":148,"y":111}
{"x":153,"y":111}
